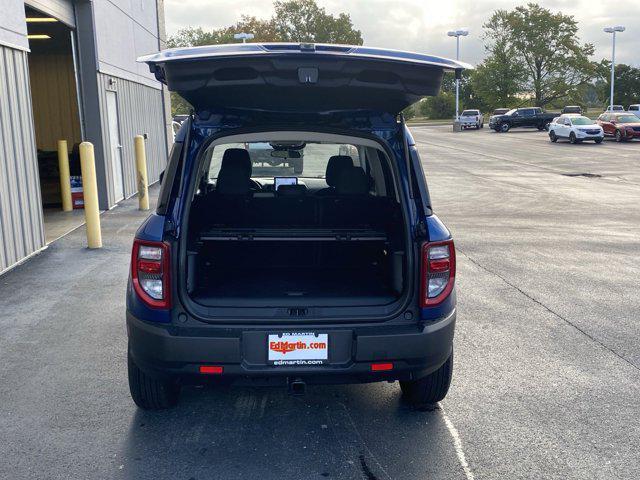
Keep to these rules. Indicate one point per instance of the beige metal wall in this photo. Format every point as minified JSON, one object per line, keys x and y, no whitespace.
{"x":21,"y":226}
{"x":140,"y":111}
{"x":55,"y":101}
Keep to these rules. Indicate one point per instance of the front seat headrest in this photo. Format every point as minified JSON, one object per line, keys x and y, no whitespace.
{"x":337,"y":164}
{"x":353,"y":181}
{"x":235,"y":173}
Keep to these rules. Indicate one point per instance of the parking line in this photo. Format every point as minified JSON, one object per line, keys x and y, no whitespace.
{"x":457,"y":445}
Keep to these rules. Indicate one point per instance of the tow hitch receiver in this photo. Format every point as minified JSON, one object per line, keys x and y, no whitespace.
{"x":296,"y":387}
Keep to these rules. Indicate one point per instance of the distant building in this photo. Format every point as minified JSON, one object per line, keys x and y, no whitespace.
{"x":68,"y":71}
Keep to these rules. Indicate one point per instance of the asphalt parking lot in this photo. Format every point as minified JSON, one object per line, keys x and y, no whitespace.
{"x":547,"y":367}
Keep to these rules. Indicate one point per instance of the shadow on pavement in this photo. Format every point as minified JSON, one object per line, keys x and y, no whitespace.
{"x":340,"y":432}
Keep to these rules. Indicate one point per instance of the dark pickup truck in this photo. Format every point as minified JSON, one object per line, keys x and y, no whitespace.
{"x":522,"y":117}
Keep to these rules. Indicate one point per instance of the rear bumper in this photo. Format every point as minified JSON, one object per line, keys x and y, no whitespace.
{"x":415,"y":351}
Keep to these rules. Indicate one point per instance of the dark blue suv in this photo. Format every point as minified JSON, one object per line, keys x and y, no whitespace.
{"x":253,"y":271}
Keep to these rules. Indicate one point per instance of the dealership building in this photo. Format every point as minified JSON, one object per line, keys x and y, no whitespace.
{"x":68,"y":71}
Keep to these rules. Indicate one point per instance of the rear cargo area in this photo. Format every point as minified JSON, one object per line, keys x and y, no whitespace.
{"x":337,"y":241}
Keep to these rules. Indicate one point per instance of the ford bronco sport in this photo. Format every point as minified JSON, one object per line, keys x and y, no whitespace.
{"x":266,"y":275}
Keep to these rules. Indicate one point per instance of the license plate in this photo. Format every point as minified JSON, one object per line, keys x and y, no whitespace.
{"x":298,"y":349}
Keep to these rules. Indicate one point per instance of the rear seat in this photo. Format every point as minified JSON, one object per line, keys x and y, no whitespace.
{"x":352,"y":204}
{"x":289,"y":207}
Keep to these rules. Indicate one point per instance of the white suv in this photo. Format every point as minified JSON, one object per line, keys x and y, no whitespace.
{"x":576,"y":128}
{"x":471,"y":118}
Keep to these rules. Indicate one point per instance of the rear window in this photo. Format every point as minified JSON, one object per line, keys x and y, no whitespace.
{"x":470,"y":113}
{"x":290,"y":159}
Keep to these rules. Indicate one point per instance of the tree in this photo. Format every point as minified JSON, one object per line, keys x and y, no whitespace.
{"x":499,"y":79}
{"x":442,"y":106}
{"x":292,"y":21}
{"x":626,"y":87}
{"x":546,"y":45}
{"x":305,"y":21}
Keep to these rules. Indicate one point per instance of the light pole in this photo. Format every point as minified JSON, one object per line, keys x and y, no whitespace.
{"x":462,"y":32}
{"x":613,"y":30}
{"x":243,"y":36}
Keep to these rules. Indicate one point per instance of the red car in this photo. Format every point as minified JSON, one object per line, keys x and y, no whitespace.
{"x":621,"y":125}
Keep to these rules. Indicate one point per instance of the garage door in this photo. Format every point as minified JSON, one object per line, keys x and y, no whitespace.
{"x":60,"y":9}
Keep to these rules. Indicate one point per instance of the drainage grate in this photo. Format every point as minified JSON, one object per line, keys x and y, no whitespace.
{"x":587,"y":175}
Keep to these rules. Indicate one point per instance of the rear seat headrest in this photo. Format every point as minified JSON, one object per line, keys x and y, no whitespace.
{"x":237,"y":158}
{"x":235,"y":172}
{"x":337,"y":164}
{"x":353,"y":181}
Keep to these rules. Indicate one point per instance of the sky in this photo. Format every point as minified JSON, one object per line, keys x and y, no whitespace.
{"x":421,"y":26}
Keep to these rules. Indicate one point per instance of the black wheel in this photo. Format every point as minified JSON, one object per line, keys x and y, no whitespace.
{"x":430,"y":389}
{"x":150,"y":393}
{"x":482,"y":125}
{"x":553,"y":137}
{"x":298,"y":166}
{"x":619,"y":136}
{"x":572,"y":138}
{"x":504,"y":127}
{"x":598,"y":140}
{"x":477,"y":126}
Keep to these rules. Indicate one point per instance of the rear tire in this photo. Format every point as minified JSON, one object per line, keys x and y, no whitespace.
{"x":553,"y":137}
{"x":572,"y":138}
{"x":431,"y":389}
{"x":482,"y":125}
{"x":150,"y":393}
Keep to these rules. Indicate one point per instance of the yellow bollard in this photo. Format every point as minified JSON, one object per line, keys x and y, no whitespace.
{"x":141,"y":170}
{"x":90,"y":193}
{"x":65,"y":180}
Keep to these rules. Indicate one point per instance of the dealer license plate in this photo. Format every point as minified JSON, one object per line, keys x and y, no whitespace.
{"x":298,"y":349}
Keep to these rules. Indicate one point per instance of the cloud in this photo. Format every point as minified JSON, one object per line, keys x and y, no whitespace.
{"x":422,"y":25}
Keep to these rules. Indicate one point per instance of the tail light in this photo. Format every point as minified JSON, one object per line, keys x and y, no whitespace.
{"x":438,"y":272}
{"x":150,"y":273}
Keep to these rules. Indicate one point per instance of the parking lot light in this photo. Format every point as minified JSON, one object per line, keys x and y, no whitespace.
{"x":613,"y":30}
{"x":461,"y":32}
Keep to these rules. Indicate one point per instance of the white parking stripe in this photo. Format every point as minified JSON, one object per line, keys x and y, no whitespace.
{"x":457,"y":444}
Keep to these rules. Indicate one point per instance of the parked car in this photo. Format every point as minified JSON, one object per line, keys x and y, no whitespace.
{"x":635,"y":109}
{"x":522,"y":117}
{"x":575,"y":128}
{"x":344,"y":275}
{"x":472,"y":118}
{"x":572,"y":109}
{"x":623,"y":126}
{"x":615,"y":108}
